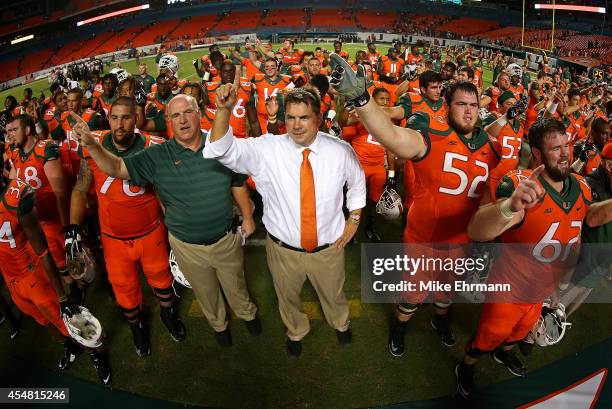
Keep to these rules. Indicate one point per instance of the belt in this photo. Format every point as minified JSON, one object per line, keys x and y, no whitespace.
{"x":285,"y":245}
{"x":232,"y":229}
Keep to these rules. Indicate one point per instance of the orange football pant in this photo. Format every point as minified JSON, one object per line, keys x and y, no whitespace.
{"x":376,"y":177}
{"x":34,"y":295}
{"x":503,"y":323}
{"x":123,"y":257}
{"x":54,"y":234}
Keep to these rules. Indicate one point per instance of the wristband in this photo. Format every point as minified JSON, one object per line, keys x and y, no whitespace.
{"x":62,"y":299}
{"x":563,"y":286}
{"x":272,"y":117}
{"x":505,"y":210}
{"x":502,"y":121}
{"x":271,"y":121}
{"x":354,"y":218}
{"x":38,"y":127}
{"x":552,"y":108}
{"x":361,"y":100}
{"x":391,"y":173}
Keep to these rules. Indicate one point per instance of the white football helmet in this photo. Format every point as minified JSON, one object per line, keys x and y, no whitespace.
{"x":514,"y":69}
{"x":551,"y":326}
{"x":390,"y":204}
{"x":84,"y":328}
{"x":176,"y":271}
{"x":121,"y":74}
{"x":170,"y":62}
{"x":83,"y":267}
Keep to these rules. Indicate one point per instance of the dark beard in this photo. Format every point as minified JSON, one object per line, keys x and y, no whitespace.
{"x":555,"y":173}
{"x":458,"y":128}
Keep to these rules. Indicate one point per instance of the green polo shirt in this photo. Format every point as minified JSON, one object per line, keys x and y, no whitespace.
{"x":195,"y":191}
{"x":147,"y":81}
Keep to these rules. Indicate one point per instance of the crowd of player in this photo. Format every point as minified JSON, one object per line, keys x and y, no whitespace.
{"x":431,"y":124}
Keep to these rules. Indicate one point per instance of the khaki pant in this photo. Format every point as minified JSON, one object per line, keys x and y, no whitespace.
{"x":324,"y":269}
{"x":210,"y":269}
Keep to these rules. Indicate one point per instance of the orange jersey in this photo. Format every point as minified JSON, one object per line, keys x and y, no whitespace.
{"x":517,"y":91}
{"x":369,"y":151}
{"x":392,"y":68}
{"x":477,"y":77}
{"x":412,"y":103}
{"x":69,"y":147}
{"x":180,"y":84}
{"x":509,"y":140}
{"x":250,"y":68}
{"x":29,"y":167}
{"x":450,"y":180}
{"x":102,"y":104}
{"x":17,"y":257}
{"x":493,"y":92}
{"x":373,"y":58}
{"x":98,"y":90}
{"x":52,"y":121}
{"x":292,"y":58}
{"x":238,"y":119}
{"x":550,"y":234}
{"x":266,"y":88}
{"x":126,"y":212}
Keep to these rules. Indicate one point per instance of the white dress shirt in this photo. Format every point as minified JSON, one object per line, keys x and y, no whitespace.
{"x":274,"y":161}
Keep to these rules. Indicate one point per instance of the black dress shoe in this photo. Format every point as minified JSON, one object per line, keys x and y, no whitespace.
{"x":224,"y":338}
{"x":254,"y":326}
{"x":294,"y":347}
{"x":345,"y":337}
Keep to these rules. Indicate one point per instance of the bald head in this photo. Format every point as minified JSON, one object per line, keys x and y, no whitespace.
{"x":181,"y":100}
{"x":184,"y":115}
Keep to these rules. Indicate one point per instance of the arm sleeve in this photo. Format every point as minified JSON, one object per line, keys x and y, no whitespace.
{"x":239,"y":155}
{"x":141,"y":166}
{"x":355,"y":178}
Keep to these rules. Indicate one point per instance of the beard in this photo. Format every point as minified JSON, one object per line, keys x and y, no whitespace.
{"x":555,"y":172}
{"x":459,"y":128}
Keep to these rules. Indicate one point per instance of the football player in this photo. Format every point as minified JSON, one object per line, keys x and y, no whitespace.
{"x":451,"y":158}
{"x":133,"y":233}
{"x":38,"y":164}
{"x":268,"y":85}
{"x":377,"y":163}
{"x":489,"y":98}
{"x":30,"y":272}
{"x":103,"y":102}
{"x":538,"y":206}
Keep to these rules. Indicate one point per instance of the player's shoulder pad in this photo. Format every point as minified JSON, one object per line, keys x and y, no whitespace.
{"x":585,"y":188}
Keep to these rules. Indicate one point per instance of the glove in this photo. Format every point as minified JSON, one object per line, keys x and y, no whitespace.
{"x":581,"y":151}
{"x":334,"y":130}
{"x":517,"y":109}
{"x":347,"y":83}
{"x":68,"y":309}
{"x":194,"y":62}
{"x":73,"y":241}
{"x":140,"y":95}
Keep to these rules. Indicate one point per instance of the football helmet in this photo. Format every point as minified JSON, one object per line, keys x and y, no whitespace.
{"x":390,"y":204}
{"x":83,"y":266}
{"x":514,"y":69}
{"x":176,"y":271}
{"x":170,"y":62}
{"x":551,"y":326}
{"x":84,"y":328}
{"x":121,"y":74}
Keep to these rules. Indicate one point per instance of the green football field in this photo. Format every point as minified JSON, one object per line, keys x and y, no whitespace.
{"x":187,"y":71}
{"x":257,"y":372}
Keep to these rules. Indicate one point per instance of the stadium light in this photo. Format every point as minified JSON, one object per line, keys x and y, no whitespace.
{"x":113,"y":14}
{"x":22,"y":39}
{"x":588,"y":9}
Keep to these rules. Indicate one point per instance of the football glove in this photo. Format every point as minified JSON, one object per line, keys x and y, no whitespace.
{"x":73,"y":241}
{"x":68,"y":309}
{"x":581,"y":151}
{"x":517,"y":109}
{"x":347,"y":83}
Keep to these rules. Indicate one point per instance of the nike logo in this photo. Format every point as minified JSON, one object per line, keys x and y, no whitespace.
{"x":485,"y":153}
{"x":452,"y":143}
{"x":549,"y":210}
{"x":578,"y":208}
{"x":177,"y":162}
{"x":33,"y":285}
{"x":105,"y":380}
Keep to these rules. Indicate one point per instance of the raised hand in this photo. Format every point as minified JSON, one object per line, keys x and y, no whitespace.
{"x":528,"y":192}
{"x":348,"y":83}
{"x":272,"y":106}
{"x":226,"y":96}
{"x":81,"y":130}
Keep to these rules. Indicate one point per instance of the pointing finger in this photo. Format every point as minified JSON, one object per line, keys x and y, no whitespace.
{"x":537,"y":172}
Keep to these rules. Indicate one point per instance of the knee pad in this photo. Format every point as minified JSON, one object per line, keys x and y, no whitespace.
{"x":406,"y":308}
{"x":164,"y":294}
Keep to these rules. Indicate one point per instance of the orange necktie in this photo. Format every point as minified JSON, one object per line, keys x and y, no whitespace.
{"x":308,"y":210}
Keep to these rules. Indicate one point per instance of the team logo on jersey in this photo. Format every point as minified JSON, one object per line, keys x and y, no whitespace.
{"x":549,"y":210}
{"x":452,"y":143}
{"x":567,"y":205}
